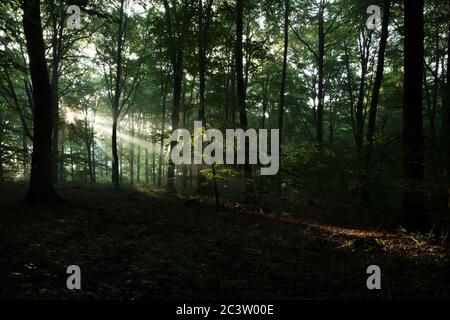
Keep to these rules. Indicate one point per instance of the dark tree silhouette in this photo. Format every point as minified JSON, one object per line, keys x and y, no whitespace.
{"x":41,"y":188}
{"x":413,"y":215}
{"x":241,"y":92}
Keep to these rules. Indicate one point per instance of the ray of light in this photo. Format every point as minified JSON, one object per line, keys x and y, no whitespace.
{"x":102,"y":126}
{"x":127,"y":138}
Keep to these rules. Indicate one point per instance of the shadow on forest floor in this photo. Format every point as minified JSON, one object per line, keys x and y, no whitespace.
{"x":143,"y":244}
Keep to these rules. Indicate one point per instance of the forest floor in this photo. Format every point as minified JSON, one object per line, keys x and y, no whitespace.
{"x":144,"y":244}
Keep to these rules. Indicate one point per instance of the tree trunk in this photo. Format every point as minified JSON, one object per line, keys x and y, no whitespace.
{"x":153,"y":165}
{"x":202,"y":183}
{"x":57,"y":32}
{"x":72,"y":169}
{"x":376,"y":92}
{"x":177,"y":64}
{"x":131,"y":149}
{"x":41,"y":189}
{"x":2,"y":179}
{"x":413,"y":215}
{"x":62,"y":157}
{"x":445,"y":144}
{"x":283,"y":72}
{"x":89,"y":150}
{"x":283,"y":83}
{"x":320,"y":95}
{"x":147,"y":173}
{"x":249,"y":188}
{"x":115,"y":156}
{"x":163,"y":123}
{"x":116,"y":99}
{"x":138,"y":157}
{"x":265,"y":100}
{"x":365,"y":50}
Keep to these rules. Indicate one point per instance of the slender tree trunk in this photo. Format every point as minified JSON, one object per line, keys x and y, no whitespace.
{"x":283,"y":83}
{"x":332,"y":124}
{"x":88,"y":151}
{"x":163,"y":123}
{"x":413,"y":215}
{"x":376,"y":93}
{"x":72,"y":169}
{"x":177,"y":64}
{"x":115,"y":156}
{"x":131,"y":149}
{"x":138,"y":157}
{"x":445,"y":144}
{"x":365,"y":48}
{"x":147,"y":173}
{"x":265,"y":100}
{"x":350,"y":91}
{"x":93,"y":156}
{"x":2,"y":179}
{"x":233,"y":103}
{"x":25,"y":153}
{"x":283,"y":72}
{"x":116,"y":98}
{"x":41,"y":188}
{"x":62,"y":157}
{"x":249,"y":187}
{"x":153,"y":165}
{"x":320,"y":95}
{"x":57,"y":29}
{"x":202,"y":183}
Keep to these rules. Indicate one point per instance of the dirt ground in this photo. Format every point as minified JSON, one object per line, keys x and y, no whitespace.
{"x":147,"y":244}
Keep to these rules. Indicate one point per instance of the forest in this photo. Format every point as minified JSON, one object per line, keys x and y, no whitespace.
{"x":319,"y":132}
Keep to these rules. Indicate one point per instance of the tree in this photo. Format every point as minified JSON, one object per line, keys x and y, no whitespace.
{"x":176,"y":26}
{"x":241,"y":91}
{"x":122,"y":74}
{"x":413,"y":215}
{"x":376,"y":91}
{"x":282,"y":106}
{"x":204,"y":20}
{"x":445,"y":148}
{"x":41,"y":189}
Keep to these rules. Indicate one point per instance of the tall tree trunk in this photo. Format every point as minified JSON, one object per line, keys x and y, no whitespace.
{"x":72,"y":167}
{"x":147,"y":173}
{"x":177,"y":64}
{"x":88,"y":143}
{"x":445,"y":144}
{"x":376,"y":90}
{"x":116,"y":98}
{"x":350,"y":91}
{"x":365,"y":50}
{"x":163,"y":123}
{"x":265,"y":100}
{"x":94,"y":176}
{"x":138,"y":157}
{"x":283,"y":72}
{"x":283,"y":84}
{"x":249,"y":188}
{"x":2,"y":179}
{"x":25,"y":153}
{"x":131,"y":148}
{"x":41,"y":188}
{"x":320,"y":95}
{"x":153,"y":165}
{"x":115,"y":156}
{"x":202,"y":183}
{"x":57,"y":33}
{"x":62,"y":157}
{"x":413,"y":215}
